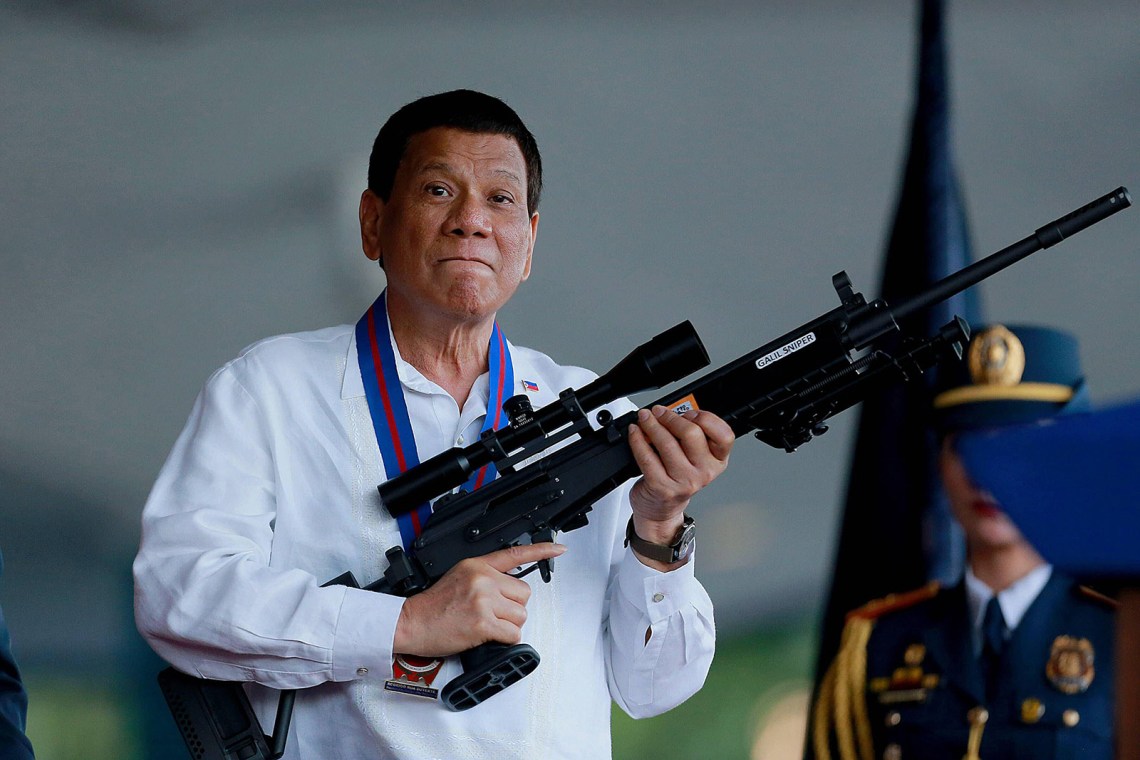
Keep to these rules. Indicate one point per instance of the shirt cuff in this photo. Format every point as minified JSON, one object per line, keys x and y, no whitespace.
{"x":365,"y":630}
{"x":659,"y":594}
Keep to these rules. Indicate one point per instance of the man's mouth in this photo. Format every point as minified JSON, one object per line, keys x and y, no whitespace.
{"x":464,"y":260}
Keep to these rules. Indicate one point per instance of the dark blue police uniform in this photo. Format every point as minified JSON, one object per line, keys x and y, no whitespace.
{"x":924,"y":689}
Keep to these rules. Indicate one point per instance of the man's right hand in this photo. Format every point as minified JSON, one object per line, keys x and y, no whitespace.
{"x":474,"y":602}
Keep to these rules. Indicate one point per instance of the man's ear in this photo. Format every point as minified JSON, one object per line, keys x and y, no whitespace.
{"x":530,"y":250}
{"x":371,"y":214}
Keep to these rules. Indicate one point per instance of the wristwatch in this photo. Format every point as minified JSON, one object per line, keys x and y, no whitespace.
{"x":677,"y":551}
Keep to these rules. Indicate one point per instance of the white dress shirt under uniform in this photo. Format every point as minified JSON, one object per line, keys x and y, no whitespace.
{"x":1014,"y":600}
{"x":270,"y":491}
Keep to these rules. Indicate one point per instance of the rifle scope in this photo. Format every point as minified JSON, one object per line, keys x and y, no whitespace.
{"x":670,"y":356}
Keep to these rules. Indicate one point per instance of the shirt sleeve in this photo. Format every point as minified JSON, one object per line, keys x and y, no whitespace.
{"x":662,"y":634}
{"x":206,"y":596}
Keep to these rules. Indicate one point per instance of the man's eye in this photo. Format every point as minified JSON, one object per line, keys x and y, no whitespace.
{"x":437,"y":190}
{"x":501,"y":198}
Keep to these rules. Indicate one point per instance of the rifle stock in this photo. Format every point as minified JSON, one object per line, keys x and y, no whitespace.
{"x":218,"y":723}
{"x":783,"y":392}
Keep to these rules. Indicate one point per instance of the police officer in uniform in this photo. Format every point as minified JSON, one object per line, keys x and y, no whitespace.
{"x":1014,"y":661}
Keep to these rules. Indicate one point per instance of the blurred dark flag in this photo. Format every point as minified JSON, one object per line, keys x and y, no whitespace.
{"x":896,"y":531}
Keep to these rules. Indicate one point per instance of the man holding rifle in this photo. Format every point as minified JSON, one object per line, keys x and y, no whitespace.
{"x":271,"y":490}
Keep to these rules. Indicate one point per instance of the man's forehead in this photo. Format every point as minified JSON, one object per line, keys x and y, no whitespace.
{"x":449,"y":149}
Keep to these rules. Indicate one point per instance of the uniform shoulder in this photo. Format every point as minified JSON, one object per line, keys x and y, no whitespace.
{"x":877,"y":608}
{"x":1096,"y":597}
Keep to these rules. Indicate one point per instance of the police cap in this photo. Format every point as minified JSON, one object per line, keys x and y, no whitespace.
{"x":1011,"y":374}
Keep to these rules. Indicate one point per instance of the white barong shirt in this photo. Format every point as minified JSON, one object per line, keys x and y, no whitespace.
{"x":270,"y":491}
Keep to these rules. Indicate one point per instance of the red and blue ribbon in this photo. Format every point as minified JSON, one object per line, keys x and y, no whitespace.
{"x":389,"y":412}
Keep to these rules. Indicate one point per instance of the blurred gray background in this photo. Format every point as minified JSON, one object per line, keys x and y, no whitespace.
{"x":181,"y":179}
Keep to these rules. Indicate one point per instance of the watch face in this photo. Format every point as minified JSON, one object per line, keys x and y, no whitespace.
{"x":687,"y":543}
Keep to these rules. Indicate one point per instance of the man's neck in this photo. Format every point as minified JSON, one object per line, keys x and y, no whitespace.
{"x":1001,"y":567}
{"x":451,"y":354}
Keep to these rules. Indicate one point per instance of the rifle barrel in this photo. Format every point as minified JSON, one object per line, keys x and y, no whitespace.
{"x":1045,"y":237}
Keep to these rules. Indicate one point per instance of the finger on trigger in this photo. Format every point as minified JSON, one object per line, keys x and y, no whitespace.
{"x":507,"y":559}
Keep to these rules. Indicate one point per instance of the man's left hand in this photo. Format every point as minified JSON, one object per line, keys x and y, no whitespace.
{"x":678,"y":456}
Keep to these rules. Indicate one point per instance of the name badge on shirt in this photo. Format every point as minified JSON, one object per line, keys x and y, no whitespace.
{"x":413,"y":676}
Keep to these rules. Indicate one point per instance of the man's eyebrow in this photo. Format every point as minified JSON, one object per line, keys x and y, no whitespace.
{"x":437,"y":166}
{"x":446,"y":168}
{"x":509,"y":175}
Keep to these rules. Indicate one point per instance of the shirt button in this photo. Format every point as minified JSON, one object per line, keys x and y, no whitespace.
{"x":658,"y":597}
{"x":460,"y":440}
{"x":362,"y":671}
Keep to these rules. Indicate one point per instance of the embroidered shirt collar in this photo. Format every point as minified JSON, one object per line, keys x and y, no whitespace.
{"x":352,"y":385}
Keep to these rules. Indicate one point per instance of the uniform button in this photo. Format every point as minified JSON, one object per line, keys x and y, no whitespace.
{"x":978,"y":716}
{"x":362,"y":671}
{"x":892,"y":752}
{"x":658,"y":597}
{"x":1070,"y":718}
{"x":1031,"y":710}
{"x":893,"y":718}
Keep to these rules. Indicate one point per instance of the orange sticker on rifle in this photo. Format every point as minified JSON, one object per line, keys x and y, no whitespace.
{"x":687,"y":404}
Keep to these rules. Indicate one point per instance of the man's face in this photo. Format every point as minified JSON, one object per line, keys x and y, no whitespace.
{"x":455,"y":235}
{"x":986,"y":526}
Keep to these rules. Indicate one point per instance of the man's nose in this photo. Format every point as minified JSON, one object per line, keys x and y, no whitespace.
{"x":468,"y":217}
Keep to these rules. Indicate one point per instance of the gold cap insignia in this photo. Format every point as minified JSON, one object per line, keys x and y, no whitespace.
{"x":996,"y":357}
{"x":1070,"y":667}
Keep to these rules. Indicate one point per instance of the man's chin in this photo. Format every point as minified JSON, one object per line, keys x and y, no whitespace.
{"x":471,"y":297}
